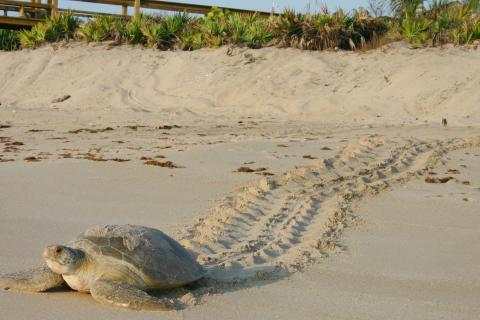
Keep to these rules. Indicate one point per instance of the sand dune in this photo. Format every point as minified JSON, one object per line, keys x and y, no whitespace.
{"x":394,"y":85}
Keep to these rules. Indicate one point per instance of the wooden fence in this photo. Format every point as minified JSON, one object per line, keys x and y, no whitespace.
{"x":29,"y":13}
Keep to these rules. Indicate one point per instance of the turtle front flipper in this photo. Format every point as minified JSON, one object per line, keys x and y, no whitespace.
{"x":123,"y":295}
{"x":37,"y":280}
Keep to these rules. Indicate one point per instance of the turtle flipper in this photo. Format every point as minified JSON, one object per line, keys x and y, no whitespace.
{"x":123,"y":295}
{"x":37,"y":280}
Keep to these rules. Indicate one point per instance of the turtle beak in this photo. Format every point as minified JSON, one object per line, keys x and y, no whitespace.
{"x":59,"y":259}
{"x":51,"y":252}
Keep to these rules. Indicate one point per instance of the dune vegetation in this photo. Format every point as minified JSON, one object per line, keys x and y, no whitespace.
{"x":441,"y":22}
{"x":9,"y":40}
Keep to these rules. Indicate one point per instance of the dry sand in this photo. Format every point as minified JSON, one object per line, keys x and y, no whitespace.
{"x":336,"y":220}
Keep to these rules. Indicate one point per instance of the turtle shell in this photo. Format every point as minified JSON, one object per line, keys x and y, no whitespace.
{"x":163,"y":260}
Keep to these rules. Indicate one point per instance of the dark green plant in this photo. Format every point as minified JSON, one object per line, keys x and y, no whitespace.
{"x":134,"y":28}
{"x":9,"y":40}
{"x":103,"y":28}
{"x":92,"y":32}
{"x":415,"y":30}
{"x":191,"y":37}
{"x":33,"y":37}
{"x":258,"y":33}
{"x":176,"y":23}
{"x":164,"y":32}
{"x":52,"y":29}
{"x":238,"y":26}
{"x":249,"y":29}
{"x":62,"y":26}
{"x":156,"y":35}
{"x":214,"y":27}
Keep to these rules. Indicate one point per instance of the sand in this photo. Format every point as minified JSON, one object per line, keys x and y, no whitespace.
{"x":335,"y":219}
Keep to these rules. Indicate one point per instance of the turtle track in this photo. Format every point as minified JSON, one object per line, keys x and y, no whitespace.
{"x":279,"y":225}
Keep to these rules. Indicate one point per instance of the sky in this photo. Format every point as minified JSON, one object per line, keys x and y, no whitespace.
{"x":262,"y":5}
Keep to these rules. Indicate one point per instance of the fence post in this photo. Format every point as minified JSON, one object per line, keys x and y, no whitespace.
{"x":124,"y":10}
{"x":137,"y":8}
{"x":36,"y":11}
{"x":54,"y":8}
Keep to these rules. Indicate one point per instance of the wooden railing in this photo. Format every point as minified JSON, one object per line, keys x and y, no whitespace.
{"x":29,"y":13}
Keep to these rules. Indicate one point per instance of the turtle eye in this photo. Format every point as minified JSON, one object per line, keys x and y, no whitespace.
{"x":58,"y":250}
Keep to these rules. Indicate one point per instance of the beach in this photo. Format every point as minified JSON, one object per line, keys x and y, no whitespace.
{"x":309,"y":184}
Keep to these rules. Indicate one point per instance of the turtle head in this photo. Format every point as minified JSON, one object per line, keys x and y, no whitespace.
{"x":63,"y":260}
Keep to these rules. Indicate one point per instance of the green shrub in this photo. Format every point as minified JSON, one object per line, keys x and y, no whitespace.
{"x":34,"y":37}
{"x":415,"y":30}
{"x":214,"y":27}
{"x":92,"y":32}
{"x":9,"y":40}
{"x":62,"y":26}
{"x":103,"y":28}
{"x":176,"y":23}
{"x":156,"y":35}
{"x":467,"y":32}
{"x":165,"y":33}
{"x":191,"y":38}
{"x":445,"y":21}
{"x":258,"y":33}
{"x":52,"y":29}
{"x":134,"y":28}
{"x":238,"y":27}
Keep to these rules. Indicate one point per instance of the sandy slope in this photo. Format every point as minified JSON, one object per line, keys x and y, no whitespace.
{"x":296,"y":238}
{"x":396,"y":85}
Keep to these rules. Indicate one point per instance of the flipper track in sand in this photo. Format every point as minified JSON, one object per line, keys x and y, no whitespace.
{"x":278,"y":225}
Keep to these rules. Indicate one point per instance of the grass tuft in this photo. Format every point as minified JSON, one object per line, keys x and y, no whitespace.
{"x":9,"y":40}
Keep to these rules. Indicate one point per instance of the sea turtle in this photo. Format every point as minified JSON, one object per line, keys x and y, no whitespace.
{"x":116,"y":264}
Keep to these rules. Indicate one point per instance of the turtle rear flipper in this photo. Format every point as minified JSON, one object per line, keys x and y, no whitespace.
{"x":123,"y":295}
{"x":36,"y":280}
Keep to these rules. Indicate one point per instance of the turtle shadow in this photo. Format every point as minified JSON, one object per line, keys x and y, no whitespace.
{"x":63,"y":288}
{"x":193,"y":294}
